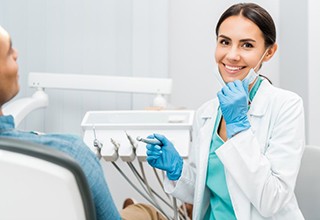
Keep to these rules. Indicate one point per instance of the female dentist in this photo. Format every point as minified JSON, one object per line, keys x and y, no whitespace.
{"x":247,"y":142}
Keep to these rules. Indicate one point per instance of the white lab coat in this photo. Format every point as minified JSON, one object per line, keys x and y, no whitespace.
{"x":261,"y":163}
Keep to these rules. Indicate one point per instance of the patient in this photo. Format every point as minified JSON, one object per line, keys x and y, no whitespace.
{"x":71,"y":145}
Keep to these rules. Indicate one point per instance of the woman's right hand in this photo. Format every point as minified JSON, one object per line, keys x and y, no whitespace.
{"x":233,"y":100}
{"x":165,"y":157}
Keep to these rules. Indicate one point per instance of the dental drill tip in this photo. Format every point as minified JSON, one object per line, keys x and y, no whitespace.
{"x":149,"y":141}
{"x":115,"y":144}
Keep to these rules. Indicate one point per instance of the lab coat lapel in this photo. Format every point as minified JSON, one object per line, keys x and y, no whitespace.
{"x":203,"y":143}
{"x":259,"y":105}
{"x":208,"y":117}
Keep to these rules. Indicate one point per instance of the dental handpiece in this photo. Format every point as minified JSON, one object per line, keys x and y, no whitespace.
{"x":149,"y":141}
{"x":132,"y":142}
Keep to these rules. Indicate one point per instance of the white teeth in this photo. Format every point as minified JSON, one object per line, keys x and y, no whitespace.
{"x":232,"y":68}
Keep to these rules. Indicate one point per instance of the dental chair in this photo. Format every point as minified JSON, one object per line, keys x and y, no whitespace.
{"x":40,"y":183}
{"x":308,"y":183}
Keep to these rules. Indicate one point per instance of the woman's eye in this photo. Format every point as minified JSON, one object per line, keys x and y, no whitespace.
{"x":224,"y":42}
{"x":247,"y":45}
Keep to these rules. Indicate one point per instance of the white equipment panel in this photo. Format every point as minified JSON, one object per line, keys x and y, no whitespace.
{"x":103,"y":126}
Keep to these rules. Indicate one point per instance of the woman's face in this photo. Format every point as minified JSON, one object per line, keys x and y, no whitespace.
{"x":9,"y":86}
{"x":240,"y":46}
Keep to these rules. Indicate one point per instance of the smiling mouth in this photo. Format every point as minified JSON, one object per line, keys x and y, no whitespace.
{"x":233,"y":68}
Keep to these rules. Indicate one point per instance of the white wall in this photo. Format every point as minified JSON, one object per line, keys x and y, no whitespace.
{"x":114,"y":37}
{"x":293,"y":36}
{"x":313,"y":72}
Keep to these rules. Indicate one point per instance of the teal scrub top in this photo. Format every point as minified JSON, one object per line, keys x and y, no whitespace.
{"x":220,"y":203}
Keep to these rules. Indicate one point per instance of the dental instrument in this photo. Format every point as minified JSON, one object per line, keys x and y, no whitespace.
{"x":97,"y":144}
{"x":144,"y":184}
{"x":149,"y":141}
{"x":118,"y":131}
{"x":109,"y":152}
{"x":132,"y":142}
{"x":128,"y":153}
{"x":135,"y":187}
{"x":115,"y":144}
{"x":142,"y":180}
{"x":131,"y":183}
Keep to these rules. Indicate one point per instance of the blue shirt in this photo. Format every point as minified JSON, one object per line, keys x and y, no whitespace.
{"x":76,"y":148}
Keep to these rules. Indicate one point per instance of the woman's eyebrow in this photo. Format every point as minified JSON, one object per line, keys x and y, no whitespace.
{"x":247,"y":39}
{"x":225,"y":37}
{"x":242,"y":40}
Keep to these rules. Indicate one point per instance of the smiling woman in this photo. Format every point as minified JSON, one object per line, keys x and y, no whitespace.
{"x":243,"y":43}
{"x":248,"y":141}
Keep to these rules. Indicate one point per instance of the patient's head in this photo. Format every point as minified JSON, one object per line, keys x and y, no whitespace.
{"x":9,"y":86}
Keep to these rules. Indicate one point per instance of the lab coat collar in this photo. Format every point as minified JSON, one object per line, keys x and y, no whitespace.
{"x":211,"y":110}
{"x":259,"y":104}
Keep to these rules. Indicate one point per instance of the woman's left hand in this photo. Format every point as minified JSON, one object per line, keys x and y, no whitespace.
{"x":233,"y":100}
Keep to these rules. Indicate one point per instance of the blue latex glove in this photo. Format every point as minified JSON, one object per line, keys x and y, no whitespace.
{"x":165,"y":157}
{"x":233,"y":100}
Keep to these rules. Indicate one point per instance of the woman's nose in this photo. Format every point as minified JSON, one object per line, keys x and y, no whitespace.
{"x":233,"y":54}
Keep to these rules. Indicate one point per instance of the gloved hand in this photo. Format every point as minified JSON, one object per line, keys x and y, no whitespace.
{"x":233,"y":100}
{"x":165,"y":157}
